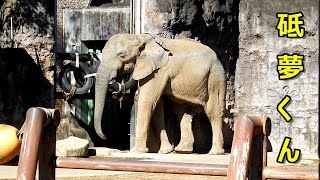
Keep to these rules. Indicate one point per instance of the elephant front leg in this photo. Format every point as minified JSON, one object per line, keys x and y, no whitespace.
{"x":142,"y":126}
{"x":149,"y":94}
{"x":158,"y":119}
{"x":144,"y":114}
{"x":147,"y":102}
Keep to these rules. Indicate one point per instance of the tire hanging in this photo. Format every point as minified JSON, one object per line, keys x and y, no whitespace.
{"x":85,"y":77}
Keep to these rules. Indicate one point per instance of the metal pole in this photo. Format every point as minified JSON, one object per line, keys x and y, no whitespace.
{"x":132,"y":16}
{"x":291,"y":172}
{"x":11,"y":32}
{"x":36,"y":119}
{"x":11,"y":28}
{"x":142,"y":166}
{"x":28,"y":159}
{"x":265,"y":157}
{"x":241,"y":146}
{"x":47,"y":152}
{"x":247,"y":147}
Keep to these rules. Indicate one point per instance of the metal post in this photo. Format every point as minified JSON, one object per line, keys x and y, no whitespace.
{"x":259,"y":146}
{"x":249,"y":135}
{"x":47,"y":153}
{"x":36,"y":119}
{"x":241,"y":146}
{"x":142,"y":166}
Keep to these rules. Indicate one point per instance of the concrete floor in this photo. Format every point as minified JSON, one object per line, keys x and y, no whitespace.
{"x":9,"y":172}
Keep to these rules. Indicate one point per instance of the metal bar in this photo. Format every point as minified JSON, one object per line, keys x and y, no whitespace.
{"x":142,"y":166}
{"x":132,"y":16}
{"x":11,"y":29}
{"x":72,"y":56}
{"x":262,"y":121}
{"x":247,"y":130}
{"x":241,"y":146}
{"x":265,"y":158}
{"x":247,"y":147}
{"x":291,"y":172}
{"x":36,"y":119}
{"x":30,"y":145}
{"x":256,"y":157}
{"x":47,"y":153}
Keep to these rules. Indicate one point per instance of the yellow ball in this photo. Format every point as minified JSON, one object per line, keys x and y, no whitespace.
{"x":9,"y":143}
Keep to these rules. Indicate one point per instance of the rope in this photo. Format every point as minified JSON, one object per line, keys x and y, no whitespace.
{"x":21,"y":131}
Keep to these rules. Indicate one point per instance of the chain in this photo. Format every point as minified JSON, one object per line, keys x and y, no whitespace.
{"x":67,"y":96}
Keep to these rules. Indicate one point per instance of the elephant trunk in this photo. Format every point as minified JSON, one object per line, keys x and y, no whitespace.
{"x":103,"y":78}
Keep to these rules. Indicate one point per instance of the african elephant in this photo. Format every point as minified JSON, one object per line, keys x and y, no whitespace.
{"x":183,"y":70}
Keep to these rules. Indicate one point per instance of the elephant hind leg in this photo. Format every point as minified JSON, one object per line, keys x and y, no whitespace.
{"x":187,"y":139}
{"x":214,"y":109}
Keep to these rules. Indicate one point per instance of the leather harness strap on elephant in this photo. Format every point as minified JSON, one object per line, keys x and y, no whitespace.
{"x":159,"y":42}
{"x":163,"y":46}
{"x":122,"y":87}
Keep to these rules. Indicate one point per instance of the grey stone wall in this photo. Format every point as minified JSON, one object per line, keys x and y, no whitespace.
{"x":60,"y":5}
{"x":26,"y":61}
{"x":32,"y":30}
{"x":258,"y":88}
{"x":91,"y":24}
{"x":71,"y":4}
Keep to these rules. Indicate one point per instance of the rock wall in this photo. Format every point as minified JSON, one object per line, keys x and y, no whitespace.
{"x":258,"y":88}
{"x":23,"y":85}
{"x":26,"y":60}
{"x":33,"y":24}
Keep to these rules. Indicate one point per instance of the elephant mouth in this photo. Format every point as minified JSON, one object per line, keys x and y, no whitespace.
{"x":128,"y":67}
{"x":116,"y":84}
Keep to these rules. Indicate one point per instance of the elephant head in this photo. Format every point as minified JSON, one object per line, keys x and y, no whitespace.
{"x":125,"y":54}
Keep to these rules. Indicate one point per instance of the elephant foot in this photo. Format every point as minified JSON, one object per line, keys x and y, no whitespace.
{"x":165,"y":149}
{"x":139,"y":150}
{"x":184,"y":148}
{"x":215,"y":151}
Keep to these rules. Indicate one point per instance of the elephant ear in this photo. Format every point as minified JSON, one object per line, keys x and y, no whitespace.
{"x":153,"y":57}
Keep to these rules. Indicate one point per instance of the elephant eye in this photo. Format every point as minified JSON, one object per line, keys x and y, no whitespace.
{"x":121,"y":55}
